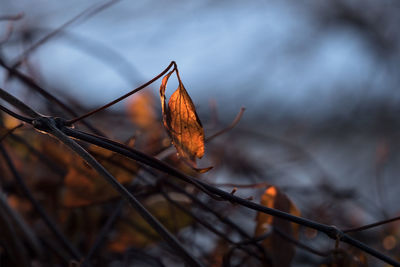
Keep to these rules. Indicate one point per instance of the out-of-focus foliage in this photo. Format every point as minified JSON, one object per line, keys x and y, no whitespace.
{"x":319,"y":81}
{"x":280,"y":249}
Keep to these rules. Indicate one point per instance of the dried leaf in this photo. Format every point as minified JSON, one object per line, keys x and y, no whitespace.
{"x":281,"y":250}
{"x":182,"y":123}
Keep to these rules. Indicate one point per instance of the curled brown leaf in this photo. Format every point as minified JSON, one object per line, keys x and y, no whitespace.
{"x":182,"y":122}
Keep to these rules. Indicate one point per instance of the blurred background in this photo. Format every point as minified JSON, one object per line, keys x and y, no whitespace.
{"x":319,"y":81}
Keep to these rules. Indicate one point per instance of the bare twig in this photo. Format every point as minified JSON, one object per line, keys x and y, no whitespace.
{"x":51,"y":126}
{"x":372,"y":225}
{"x":230,"y":127}
{"x":172,"y":64}
{"x":12,"y":17}
{"x":87,"y":13}
{"x":57,"y":127}
{"x":43,"y":214}
{"x":331,"y":231}
{"x":8,"y":235}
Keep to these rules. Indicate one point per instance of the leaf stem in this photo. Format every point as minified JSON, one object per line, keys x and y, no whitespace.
{"x":71,"y":121}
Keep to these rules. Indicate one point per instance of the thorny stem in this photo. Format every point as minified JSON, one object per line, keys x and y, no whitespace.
{"x":70,"y":122}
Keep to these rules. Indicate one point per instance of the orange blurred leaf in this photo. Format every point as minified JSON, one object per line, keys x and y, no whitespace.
{"x":182,"y":123}
{"x":83,"y":185}
{"x":281,"y":250}
{"x":9,"y":121}
{"x":141,"y":110}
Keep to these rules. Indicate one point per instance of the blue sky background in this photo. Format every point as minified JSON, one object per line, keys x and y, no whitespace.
{"x":258,"y":54}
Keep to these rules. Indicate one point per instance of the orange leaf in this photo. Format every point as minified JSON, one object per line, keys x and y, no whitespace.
{"x":182,"y":123}
{"x":281,"y":250}
{"x":141,"y":110}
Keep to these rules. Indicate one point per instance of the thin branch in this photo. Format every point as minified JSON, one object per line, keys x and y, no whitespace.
{"x":32,"y":84}
{"x":15,"y":115}
{"x":372,"y":225}
{"x":15,"y":102}
{"x":331,"y":231}
{"x":99,"y":51}
{"x":57,"y":128}
{"x":255,"y":185}
{"x":202,"y":205}
{"x":230,"y":127}
{"x":299,"y":244}
{"x":146,"y":215}
{"x":70,"y":122}
{"x":12,"y":17}
{"x":89,"y":12}
{"x":15,"y":248}
{"x":7,"y":34}
{"x":103,"y":233}
{"x":51,"y":164}
{"x":207,"y":225}
{"x":10,"y":131}
{"x":24,"y":229}
{"x":39,"y":209}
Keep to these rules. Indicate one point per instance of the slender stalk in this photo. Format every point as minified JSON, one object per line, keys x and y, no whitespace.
{"x":9,"y":237}
{"x":331,"y":231}
{"x":103,"y":233}
{"x":89,"y":12}
{"x":372,"y":225}
{"x":207,"y":225}
{"x":300,"y":244}
{"x":57,"y":128}
{"x":15,"y":115}
{"x":12,"y":100}
{"x":230,"y":127}
{"x":12,"y":17}
{"x":10,"y":131}
{"x":70,"y":122}
{"x":146,"y":215}
{"x":74,"y":253}
{"x":32,"y":84}
{"x":51,"y":164}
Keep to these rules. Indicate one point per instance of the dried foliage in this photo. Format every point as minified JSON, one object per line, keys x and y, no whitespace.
{"x":65,"y":186}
